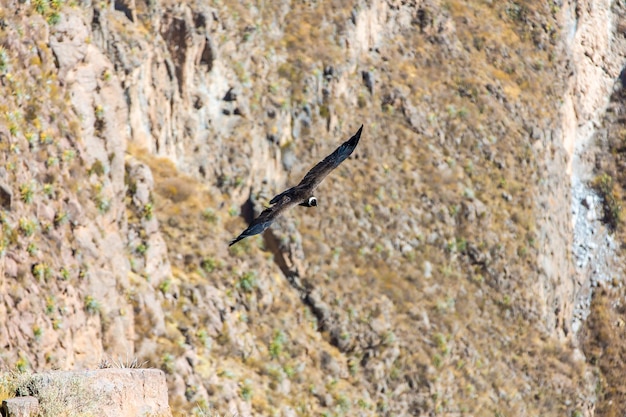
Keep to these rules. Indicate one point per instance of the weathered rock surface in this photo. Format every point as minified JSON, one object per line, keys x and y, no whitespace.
{"x":438,"y":266}
{"x":20,"y":407}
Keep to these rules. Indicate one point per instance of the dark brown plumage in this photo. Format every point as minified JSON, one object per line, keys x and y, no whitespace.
{"x":301,"y":194}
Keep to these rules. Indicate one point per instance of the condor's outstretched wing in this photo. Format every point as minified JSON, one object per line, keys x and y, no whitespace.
{"x":299,"y":193}
{"x":265,"y":219}
{"x":315,"y":176}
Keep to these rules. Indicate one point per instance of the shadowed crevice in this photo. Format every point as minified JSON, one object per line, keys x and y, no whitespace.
{"x":305,"y":290}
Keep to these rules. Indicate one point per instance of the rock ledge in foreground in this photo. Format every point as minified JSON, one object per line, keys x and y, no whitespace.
{"x":107,"y":392}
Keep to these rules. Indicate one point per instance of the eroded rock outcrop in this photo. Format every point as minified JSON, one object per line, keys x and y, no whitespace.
{"x":106,"y":392}
{"x":431,"y":277}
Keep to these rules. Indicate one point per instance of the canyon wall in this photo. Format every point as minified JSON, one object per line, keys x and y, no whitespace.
{"x":459,"y":243}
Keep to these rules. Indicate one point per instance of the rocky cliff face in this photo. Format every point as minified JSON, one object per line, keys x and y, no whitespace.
{"x":436,"y":274}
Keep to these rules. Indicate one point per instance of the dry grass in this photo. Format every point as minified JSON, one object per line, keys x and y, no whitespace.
{"x":122,"y":363}
{"x":604,"y":344}
{"x":57,"y":397}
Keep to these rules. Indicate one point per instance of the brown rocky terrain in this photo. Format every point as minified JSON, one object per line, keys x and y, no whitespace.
{"x":465,"y":260}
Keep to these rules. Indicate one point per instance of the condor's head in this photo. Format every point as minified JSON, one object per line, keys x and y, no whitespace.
{"x":309,"y":202}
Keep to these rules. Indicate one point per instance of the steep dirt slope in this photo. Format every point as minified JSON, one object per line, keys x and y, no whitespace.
{"x":434,"y":276}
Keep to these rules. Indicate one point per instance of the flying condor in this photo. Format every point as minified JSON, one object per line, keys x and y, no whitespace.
{"x":301,"y":194}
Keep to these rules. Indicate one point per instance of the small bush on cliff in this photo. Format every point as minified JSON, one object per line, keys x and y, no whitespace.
{"x":92,"y":306}
{"x":611,"y":201}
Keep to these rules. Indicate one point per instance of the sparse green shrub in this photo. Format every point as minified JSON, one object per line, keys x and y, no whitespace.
{"x":148,"y":211}
{"x":611,"y":202}
{"x":437,"y":360}
{"x":45,"y":138}
{"x":4,"y":60}
{"x":50,"y":304}
{"x":41,"y":271}
{"x":32,"y":249}
{"x":440,"y":341}
{"x":246,"y":391}
{"x":343,"y":403}
{"x":98,"y":169}
{"x":65,"y":274}
{"x":277,"y":343}
{"x":48,"y":190}
{"x":389,"y":338}
{"x":516,"y":11}
{"x":167,"y":363}
{"x":83,"y":271}
{"x":141,"y":249}
{"x":100,"y":122}
{"x":208,"y":265}
{"x":458,"y":244}
{"x":353,"y":366}
{"x":247,"y":282}
{"x":289,"y":371}
{"x":210,"y":216}
{"x":41,"y":6}
{"x":69,"y":155}
{"x":204,"y":338}
{"x":91,"y":305}
{"x":37,"y":332}
{"x":60,"y":218}
{"x":52,"y":161}
{"x":26,"y":193}
{"x":506,"y":300}
{"x":103,"y":204}
{"x":165,"y":286}
{"x":363,"y":404}
{"x":32,"y":140}
{"x":53,"y":18}
{"x":22,"y":364}
{"x":27,"y":226}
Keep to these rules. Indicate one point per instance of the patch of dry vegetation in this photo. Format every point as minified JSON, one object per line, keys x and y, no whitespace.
{"x":57,"y":397}
{"x":604,"y":344}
